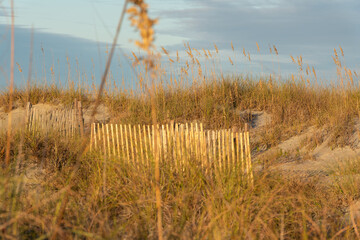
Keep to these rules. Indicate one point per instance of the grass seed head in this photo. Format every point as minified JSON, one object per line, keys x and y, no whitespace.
{"x":258,"y":48}
{"x":216,"y":48}
{"x":19,"y":67}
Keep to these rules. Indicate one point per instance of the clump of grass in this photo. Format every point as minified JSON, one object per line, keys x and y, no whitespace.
{"x":82,"y":194}
{"x":294,"y":106}
{"x":44,"y":94}
{"x":117,"y":200}
{"x":295,"y":103}
{"x":194,"y":206}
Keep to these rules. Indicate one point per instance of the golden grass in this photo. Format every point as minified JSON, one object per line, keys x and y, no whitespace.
{"x":53,"y":188}
{"x":193,"y":205}
{"x":122,"y":202}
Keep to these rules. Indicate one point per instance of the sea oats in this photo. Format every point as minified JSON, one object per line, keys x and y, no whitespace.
{"x":292,"y":59}
{"x":258,"y":48}
{"x":216,"y":48}
{"x":313,"y":70}
{"x":19,"y":67}
{"x":342,"y":52}
{"x":231,"y":61}
{"x":165,"y":51}
{"x":276,"y":51}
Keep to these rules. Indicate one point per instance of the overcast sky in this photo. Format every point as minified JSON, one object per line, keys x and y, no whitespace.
{"x":82,"y":28}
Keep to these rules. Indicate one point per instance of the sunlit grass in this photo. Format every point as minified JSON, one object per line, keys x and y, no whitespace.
{"x":109,"y":198}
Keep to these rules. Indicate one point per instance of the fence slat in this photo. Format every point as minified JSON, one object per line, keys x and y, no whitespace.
{"x":219,"y":151}
{"x":178,"y":156}
{"x":196,"y":142}
{"x":205,"y":164}
{"x":136,"y":159}
{"x":242,"y":153}
{"x":187,"y":145}
{"x":232,"y":142}
{"x":131,"y":143}
{"x":141,"y":146}
{"x":182,"y":137}
{"x":169,"y":150}
{"x":164,"y":144}
{"x":113,"y":139}
{"x":153,"y":141}
{"x":147,"y":153}
{"x":91,"y":137}
{"x":227,"y":144}
{"x":117,"y":140}
{"x":94,"y":135}
{"x":127,"y":145}
{"x":104,"y":138}
{"x":122,"y":139}
{"x":250,"y":172}
{"x":108,"y":139}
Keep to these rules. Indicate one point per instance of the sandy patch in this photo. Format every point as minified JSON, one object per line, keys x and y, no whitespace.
{"x":300,"y":161}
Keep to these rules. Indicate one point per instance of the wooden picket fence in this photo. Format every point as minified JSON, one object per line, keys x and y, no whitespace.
{"x":179,"y":146}
{"x":68,"y":122}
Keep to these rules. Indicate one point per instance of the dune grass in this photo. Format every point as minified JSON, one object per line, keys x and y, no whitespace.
{"x":123,"y":204}
{"x":219,"y":103}
{"x":194,"y":206}
{"x":54,"y":189}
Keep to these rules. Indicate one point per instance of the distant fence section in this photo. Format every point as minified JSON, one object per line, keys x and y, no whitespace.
{"x":67,"y":122}
{"x":178,"y":145}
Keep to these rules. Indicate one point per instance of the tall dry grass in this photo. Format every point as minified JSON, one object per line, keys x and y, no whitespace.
{"x":56,"y":188}
{"x":193,"y":205}
{"x":122,"y":202}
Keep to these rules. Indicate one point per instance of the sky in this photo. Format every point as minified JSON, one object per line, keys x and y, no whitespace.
{"x":82,"y":29}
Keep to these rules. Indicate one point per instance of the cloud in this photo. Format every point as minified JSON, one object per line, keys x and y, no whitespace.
{"x":303,"y":23}
{"x":309,"y":28}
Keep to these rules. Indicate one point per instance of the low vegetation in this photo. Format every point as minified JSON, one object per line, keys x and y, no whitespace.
{"x":122,"y":204}
{"x":55,"y":188}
